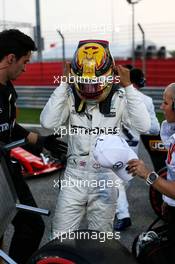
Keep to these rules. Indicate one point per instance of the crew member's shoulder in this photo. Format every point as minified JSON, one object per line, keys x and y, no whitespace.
{"x":148,"y":101}
{"x":7,"y":89}
{"x":146,"y":97}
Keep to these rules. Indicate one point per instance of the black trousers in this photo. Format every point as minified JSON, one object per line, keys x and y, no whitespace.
{"x":28,"y":227}
{"x":171,"y":225}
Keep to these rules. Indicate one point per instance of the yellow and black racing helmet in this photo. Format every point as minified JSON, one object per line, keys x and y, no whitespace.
{"x":92,"y":69}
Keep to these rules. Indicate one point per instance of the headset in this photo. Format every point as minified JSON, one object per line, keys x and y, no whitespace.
{"x":173,"y":103}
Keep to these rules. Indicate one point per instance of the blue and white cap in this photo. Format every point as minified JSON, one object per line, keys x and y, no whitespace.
{"x":113,"y":152}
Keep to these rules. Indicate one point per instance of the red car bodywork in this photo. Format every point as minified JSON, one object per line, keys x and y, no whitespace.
{"x":33,"y":165}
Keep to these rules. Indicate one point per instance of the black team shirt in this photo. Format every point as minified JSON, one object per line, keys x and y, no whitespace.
{"x":9,"y":129}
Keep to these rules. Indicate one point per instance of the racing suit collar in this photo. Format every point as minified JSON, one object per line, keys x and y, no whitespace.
{"x":104,"y":106}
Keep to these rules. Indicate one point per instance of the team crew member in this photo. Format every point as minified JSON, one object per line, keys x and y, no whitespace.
{"x":166,"y":187}
{"x":138,"y":81}
{"x":15,"y":53}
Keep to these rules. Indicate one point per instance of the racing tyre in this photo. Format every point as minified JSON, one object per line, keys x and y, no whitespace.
{"x":83,"y":250}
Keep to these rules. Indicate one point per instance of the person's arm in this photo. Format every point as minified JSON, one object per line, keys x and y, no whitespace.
{"x":20,"y":132}
{"x":155,"y":126}
{"x":167,"y":133}
{"x":165,"y":187}
{"x":136,"y":109}
{"x":56,"y":111}
{"x":138,"y":168}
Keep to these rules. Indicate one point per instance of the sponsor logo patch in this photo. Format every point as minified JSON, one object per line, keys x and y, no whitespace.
{"x":156,"y":145}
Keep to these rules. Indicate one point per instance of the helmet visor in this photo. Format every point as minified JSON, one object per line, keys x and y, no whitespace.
{"x":91,"y":89}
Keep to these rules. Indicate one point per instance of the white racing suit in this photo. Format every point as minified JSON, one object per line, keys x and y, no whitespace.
{"x":97,"y":201}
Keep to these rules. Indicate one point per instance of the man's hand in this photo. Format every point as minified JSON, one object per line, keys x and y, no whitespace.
{"x":32,"y":137}
{"x":138,"y":168}
{"x":66,"y":74}
{"x":124,"y":74}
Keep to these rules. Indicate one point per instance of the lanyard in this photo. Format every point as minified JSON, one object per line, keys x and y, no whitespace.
{"x":170,"y":152}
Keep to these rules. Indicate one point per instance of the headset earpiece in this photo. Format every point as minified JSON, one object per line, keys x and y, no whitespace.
{"x":173,"y":104}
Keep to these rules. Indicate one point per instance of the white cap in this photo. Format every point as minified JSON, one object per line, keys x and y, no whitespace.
{"x":112,"y":151}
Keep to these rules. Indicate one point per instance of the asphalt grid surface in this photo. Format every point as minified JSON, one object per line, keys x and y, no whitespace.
{"x":142,"y":214}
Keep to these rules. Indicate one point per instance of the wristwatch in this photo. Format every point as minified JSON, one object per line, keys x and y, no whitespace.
{"x":152,"y":177}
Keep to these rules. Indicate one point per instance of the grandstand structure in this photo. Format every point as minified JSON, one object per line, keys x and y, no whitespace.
{"x":119,"y":37}
{"x":23,"y":26}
